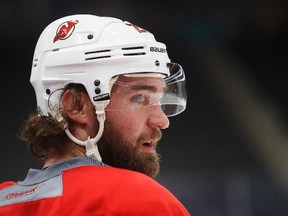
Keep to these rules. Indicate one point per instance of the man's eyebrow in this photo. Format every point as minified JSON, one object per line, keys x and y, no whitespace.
{"x":148,"y":87}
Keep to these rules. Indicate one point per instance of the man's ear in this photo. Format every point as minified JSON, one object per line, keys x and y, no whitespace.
{"x":78,"y":111}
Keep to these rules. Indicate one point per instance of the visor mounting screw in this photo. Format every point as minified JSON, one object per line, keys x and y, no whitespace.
{"x":157,"y":63}
{"x":90,"y":36}
{"x":97,"y":90}
{"x":48,"y":91}
{"x":97,"y":82}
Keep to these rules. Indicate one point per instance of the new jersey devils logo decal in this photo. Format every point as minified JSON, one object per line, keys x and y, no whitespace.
{"x":65,"y":30}
{"x":137,"y":28}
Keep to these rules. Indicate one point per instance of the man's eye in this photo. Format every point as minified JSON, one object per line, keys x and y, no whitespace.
{"x":138,"y":98}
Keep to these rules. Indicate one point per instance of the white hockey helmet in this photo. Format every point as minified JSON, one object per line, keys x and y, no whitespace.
{"x":91,"y":50}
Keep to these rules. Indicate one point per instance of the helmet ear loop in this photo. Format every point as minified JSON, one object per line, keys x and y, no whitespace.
{"x":91,"y":143}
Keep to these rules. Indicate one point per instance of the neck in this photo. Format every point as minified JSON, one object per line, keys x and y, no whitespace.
{"x":74,"y":151}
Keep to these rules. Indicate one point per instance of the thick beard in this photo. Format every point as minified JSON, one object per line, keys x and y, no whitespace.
{"x":118,"y":152}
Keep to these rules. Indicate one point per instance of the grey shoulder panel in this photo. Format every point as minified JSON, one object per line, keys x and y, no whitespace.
{"x":25,"y":193}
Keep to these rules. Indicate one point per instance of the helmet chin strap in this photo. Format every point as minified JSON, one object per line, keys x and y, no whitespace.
{"x":91,"y":143}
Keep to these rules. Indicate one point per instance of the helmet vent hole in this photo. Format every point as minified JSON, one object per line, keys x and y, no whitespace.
{"x":97,"y":51}
{"x":99,"y":57}
{"x":134,"y":54}
{"x":133,"y":48}
{"x":133,"y":51}
{"x":35,"y":64}
{"x":97,"y":54}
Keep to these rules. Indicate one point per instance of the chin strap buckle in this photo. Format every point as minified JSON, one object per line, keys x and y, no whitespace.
{"x":92,"y":149}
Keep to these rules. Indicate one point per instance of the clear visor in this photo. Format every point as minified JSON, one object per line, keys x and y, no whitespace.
{"x":146,"y":91}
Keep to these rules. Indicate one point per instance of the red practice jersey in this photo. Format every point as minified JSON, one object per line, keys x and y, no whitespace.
{"x":79,"y":187}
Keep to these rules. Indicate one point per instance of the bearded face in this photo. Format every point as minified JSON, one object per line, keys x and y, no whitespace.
{"x":133,"y":127}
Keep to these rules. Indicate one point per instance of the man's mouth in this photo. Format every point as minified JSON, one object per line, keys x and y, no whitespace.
{"x":149,"y":146}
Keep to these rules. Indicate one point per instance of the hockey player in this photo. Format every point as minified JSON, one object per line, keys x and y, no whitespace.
{"x":105,"y":89}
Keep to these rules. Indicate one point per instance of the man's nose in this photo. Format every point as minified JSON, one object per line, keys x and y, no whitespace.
{"x":158,"y":119}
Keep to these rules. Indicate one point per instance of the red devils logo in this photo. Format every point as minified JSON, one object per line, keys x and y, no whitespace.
{"x":140,"y":30}
{"x":65,"y":30}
